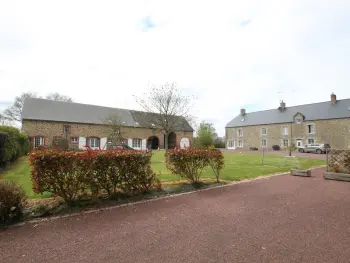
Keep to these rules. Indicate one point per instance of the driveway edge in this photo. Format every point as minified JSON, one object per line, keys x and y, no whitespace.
{"x":35,"y":221}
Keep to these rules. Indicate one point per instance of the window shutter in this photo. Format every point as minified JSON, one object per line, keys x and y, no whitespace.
{"x":130,"y":142}
{"x":82,"y":142}
{"x":103,"y":143}
{"x":143,"y":145}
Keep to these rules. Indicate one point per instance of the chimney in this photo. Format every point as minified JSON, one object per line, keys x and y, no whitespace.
{"x":242,"y":112}
{"x":282,"y":106}
{"x":333,"y":98}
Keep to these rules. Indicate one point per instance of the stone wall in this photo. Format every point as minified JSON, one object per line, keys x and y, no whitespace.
{"x":336,"y":132}
{"x":51,"y":129}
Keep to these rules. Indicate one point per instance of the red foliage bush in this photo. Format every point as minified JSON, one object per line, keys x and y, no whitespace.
{"x":189,"y":163}
{"x":68,"y":174}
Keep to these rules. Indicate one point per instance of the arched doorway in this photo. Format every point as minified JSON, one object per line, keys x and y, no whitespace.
{"x":171,"y":140}
{"x":152,"y":142}
{"x":184,"y":143}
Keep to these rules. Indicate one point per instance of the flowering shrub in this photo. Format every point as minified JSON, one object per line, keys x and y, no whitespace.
{"x":68,"y":174}
{"x":189,"y":163}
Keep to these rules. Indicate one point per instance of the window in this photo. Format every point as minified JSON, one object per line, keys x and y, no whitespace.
{"x":231,"y":144}
{"x":66,"y":128}
{"x":263,"y":143}
{"x":240,"y":144}
{"x":38,"y":141}
{"x":263,"y":131}
{"x":285,"y":130}
{"x":285,"y":143}
{"x":310,"y":141}
{"x":311,"y":128}
{"x":298,"y":120}
{"x":74,"y":139}
{"x":93,"y":142}
{"x":240,"y":132}
{"x":136,"y":143}
{"x":123,"y":141}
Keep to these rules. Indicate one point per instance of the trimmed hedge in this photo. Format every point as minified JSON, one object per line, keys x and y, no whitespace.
{"x":189,"y":163}
{"x":70,"y":174}
{"x":17,"y":145}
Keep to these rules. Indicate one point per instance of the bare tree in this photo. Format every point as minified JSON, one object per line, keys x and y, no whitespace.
{"x":114,"y":122}
{"x":60,"y":97}
{"x":14,"y":112}
{"x":170,"y":109}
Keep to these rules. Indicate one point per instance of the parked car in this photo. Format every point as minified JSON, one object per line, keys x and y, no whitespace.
{"x":120,"y":147}
{"x":314,"y":148}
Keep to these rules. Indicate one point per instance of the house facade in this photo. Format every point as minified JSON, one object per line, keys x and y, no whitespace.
{"x":324,"y":122}
{"x":46,"y":122}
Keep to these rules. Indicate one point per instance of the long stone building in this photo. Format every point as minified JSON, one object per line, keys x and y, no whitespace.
{"x":324,"y":122}
{"x":47,"y":121}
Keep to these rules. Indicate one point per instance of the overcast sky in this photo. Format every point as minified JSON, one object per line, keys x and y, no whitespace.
{"x":229,"y":54}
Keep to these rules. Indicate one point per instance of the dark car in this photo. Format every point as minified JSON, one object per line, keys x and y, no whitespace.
{"x":120,"y":147}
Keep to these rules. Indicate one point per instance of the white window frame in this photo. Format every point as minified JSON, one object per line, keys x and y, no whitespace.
{"x":240,"y":144}
{"x":93,"y":142}
{"x":74,"y":139}
{"x":38,"y":141}
{"x":285,"y":130}
{"x":283,"y":143}
{"x":313,"y":141}
{"x":262,"y":144}
{"x":298,"y":120}
{"x":136,"y":143}
{"x":262,"y":129}
{"x":231,"y":144}
{"x":240,"y":132}
{"x":312,"y":128}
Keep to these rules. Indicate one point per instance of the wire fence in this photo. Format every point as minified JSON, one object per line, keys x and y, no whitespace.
{"x":338,"y":161}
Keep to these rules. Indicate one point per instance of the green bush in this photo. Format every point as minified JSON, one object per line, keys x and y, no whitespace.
{"x":17,"y":144}
{"x":12,"y":198}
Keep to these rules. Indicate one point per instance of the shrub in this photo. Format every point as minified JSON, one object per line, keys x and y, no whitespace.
{"x":12,"y":198}
{"x":253,"y":148}
{"x":216,"y":162}
{"x":189,"y":163}
{"x":276,"y":147}
{"x":62,"y":173}
{"x":17,"y":144}
{"x":68,"y":174}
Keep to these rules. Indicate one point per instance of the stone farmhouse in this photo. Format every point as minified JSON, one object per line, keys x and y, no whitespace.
{"x":46,"y":122}
{"x":324,"y":122}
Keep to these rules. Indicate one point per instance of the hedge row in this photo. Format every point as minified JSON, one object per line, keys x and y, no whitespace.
{"x":189,"y":163}
{"x":72,"y":174}
{"x":16,"y":145}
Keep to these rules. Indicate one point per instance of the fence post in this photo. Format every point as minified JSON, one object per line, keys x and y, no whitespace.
{"x":327,"y":161}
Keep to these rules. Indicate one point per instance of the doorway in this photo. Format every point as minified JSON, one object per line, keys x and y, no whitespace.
{"x":153,"y":143}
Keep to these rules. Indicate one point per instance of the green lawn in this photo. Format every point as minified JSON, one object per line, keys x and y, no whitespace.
{"x":237,"y":167}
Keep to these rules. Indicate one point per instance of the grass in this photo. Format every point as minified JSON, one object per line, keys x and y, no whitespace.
{"x":237,"y":167}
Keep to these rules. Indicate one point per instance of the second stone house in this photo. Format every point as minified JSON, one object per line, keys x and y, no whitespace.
{"x":324,"y":122}
{"x":47,"y":121}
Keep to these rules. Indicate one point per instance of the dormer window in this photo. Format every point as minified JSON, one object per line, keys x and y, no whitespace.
{"x":298,"y":120}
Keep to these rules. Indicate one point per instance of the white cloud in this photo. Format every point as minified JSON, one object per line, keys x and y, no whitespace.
{"x":99,"y":52}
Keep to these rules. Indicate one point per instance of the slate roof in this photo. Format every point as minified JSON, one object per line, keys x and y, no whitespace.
{"x":49,"y":110}
{"x":315,"y":111}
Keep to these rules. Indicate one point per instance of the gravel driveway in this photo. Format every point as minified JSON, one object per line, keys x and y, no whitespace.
{"x":279,"y":219}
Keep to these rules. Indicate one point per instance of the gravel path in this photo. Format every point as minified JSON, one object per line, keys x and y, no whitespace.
{"x":280,"y":219}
